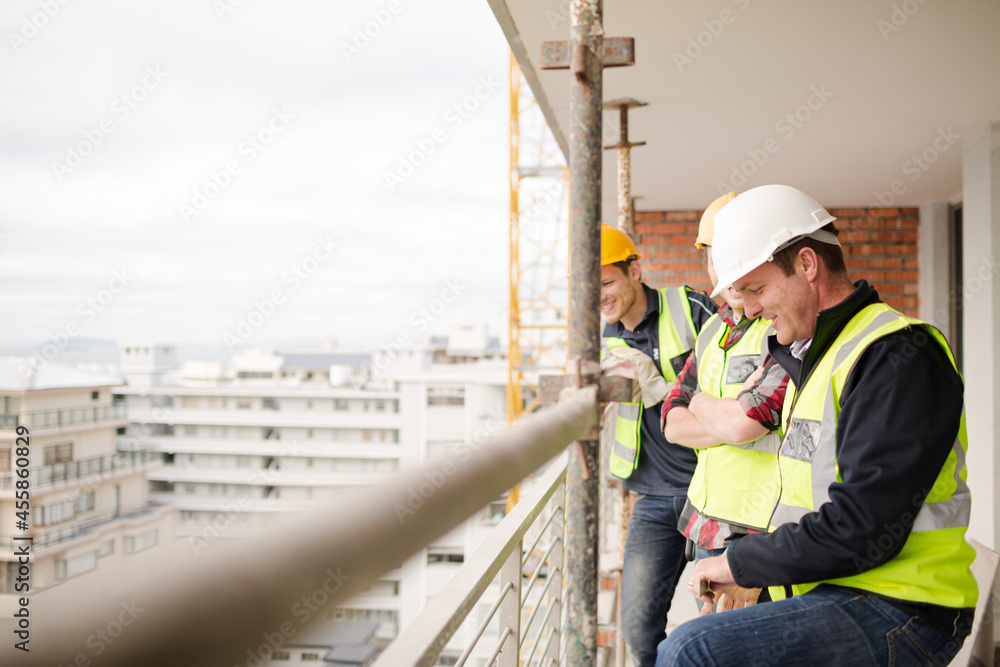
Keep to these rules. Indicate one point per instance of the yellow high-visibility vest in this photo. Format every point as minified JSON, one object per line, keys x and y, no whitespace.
{"x":933,"y":566}
{"x":677,"y":337}
{"x":734,"y":483}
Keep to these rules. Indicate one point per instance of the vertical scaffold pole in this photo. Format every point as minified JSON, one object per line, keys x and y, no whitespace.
{"x":586,"y":53}
{"x":583,"y":478}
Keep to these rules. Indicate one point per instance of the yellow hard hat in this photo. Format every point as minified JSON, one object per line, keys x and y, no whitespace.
{"x":616,"y":246}
{"x":708,"y":220}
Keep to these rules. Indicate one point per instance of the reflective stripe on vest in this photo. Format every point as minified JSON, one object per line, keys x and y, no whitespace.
{"x":933,"y":565}
{"x":676,"y":337}
{"x":734,"y":483}
{"x":625,"y":449}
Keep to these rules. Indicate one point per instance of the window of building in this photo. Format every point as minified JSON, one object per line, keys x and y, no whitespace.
{"x":494,"y":512}
{"x":366,"y":435}
{"x":340,"y":404}
{"x":135,"y":544}
{"x":214,"y":402}
{"x":190,"y":430}
{"x":58,"y":453}
{"x":269,"y":403}
{"x":159,"y":401}
{"x":4,"y":458}
{"x":281,"y":655}
{"x":255,"y":375}
{"x":310,"y":657}
{"x":243,"y":404}
{"x":106,"y":549}
{"x":444,"y":555}
{"x":85,"y":502}
{"x":56,"y":512}
{"x":309,"y":405}
{"x":70,"y":567}
{"x":10,"y":405}
{"x":94,"y":395}
{"x":309,"y":433}
{"x":445,"y":396}
{"x":190,"y":402}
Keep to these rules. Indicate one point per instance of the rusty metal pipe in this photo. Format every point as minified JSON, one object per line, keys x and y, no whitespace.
{"x":582,"y":501}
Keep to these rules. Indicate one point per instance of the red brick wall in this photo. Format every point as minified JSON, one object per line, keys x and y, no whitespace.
{"x":880,"y":245}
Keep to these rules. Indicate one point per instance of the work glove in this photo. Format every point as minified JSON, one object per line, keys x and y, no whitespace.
{"x":637,"y":365}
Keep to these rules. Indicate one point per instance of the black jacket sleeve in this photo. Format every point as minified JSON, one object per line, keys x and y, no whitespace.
{"x":901,"y":409}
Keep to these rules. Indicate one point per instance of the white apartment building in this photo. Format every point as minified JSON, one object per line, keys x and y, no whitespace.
{"x":274,"y":432}
{"x":90,"y":518}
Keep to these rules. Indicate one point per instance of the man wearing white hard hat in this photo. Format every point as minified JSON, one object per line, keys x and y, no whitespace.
{"x":726,"y":404}
{"x":867,"y":540}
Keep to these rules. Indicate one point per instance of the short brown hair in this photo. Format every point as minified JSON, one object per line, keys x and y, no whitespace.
{"x":831,"y":255}
{"x":625,"y":263}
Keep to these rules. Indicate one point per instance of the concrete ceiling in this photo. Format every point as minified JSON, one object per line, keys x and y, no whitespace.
{"x":843,"y":99}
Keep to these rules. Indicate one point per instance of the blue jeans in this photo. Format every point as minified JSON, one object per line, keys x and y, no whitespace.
{"x":654,"y":560}
{"x":827,"y":626}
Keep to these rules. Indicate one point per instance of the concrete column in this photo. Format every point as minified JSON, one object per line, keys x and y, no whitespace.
{"x":981,"y":263}
{"x":933,"y":259}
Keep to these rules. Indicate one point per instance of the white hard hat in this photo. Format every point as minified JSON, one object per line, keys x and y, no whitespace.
{"x":758,"y":223}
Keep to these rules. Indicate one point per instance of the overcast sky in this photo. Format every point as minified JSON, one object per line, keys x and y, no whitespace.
{"x":165,"y":166}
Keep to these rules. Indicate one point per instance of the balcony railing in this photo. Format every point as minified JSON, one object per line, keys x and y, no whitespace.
{"x":528,"y":617}
{"x":40,"y":477}
{"x":339,"y":551}
{"x":83,"y":414}
{"x":52,"y":536}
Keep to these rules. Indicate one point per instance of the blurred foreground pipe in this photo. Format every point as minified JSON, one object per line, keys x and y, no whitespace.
{"x":241,"y":599}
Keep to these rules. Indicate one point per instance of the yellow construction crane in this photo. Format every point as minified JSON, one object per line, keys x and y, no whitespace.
{"x":539,"y":254}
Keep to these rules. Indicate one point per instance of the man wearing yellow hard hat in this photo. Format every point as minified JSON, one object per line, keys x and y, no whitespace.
{"x":729,"y":413}
{"x":654,"y":331}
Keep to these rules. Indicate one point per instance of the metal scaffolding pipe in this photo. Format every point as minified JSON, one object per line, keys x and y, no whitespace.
{"x":586,"y":48}
{"x":241,"y":600}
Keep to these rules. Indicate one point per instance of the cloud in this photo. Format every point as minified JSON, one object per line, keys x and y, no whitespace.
{"x":222,"y":79}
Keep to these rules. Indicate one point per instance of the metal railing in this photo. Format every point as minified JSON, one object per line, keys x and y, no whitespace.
{"x":528,"y":617}
{"x":221,"y":603}
{"x":41,"y":477}
{"x":83,"y":414}
{"x":47,"y":538}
